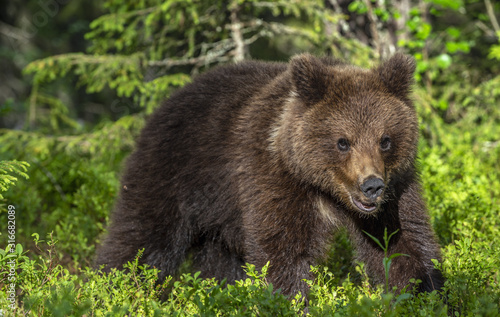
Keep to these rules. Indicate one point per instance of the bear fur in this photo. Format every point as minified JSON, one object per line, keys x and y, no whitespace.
{"x":259,"y":162}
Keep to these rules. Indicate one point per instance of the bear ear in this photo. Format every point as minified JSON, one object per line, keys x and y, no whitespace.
{"x":397,"y":74}
{"x":309,"y":78}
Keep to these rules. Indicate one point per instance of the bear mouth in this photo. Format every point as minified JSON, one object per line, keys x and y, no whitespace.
{"x":365,"y":207}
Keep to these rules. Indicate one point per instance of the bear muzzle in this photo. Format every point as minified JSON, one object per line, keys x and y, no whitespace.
{"x":372,"y":189}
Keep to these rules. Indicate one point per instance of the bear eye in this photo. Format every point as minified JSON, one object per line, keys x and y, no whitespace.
{"x":385,"y":143}
{"x":343,"y":145}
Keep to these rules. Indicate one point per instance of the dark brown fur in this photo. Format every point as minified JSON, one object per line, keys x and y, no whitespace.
{"x":245,"y":165}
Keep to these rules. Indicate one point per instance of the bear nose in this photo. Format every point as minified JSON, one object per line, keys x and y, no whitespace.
{"x":373,"y":187}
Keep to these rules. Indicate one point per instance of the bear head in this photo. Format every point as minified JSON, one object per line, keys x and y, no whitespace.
{"x":346,"y":130}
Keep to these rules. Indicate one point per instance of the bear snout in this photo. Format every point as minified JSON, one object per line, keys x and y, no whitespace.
{"x":373,"y":187}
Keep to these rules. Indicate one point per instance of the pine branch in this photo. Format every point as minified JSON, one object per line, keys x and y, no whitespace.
{"x":8,"y":169}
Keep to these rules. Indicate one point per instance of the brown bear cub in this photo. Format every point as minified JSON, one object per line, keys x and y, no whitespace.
{"x":259,"y":162}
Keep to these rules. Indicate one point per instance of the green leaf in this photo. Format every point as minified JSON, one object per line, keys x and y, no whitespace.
{"x":444,"y":61}
{"x":375,"y":239}
{"x":494,"y":52}
{"x":453,"y":32}
{"x":402,"y":297}
{"x":451,"y":4}
{"x":453,"y":47}
{"x":395,"y":255}
{"x":19,"y":249}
